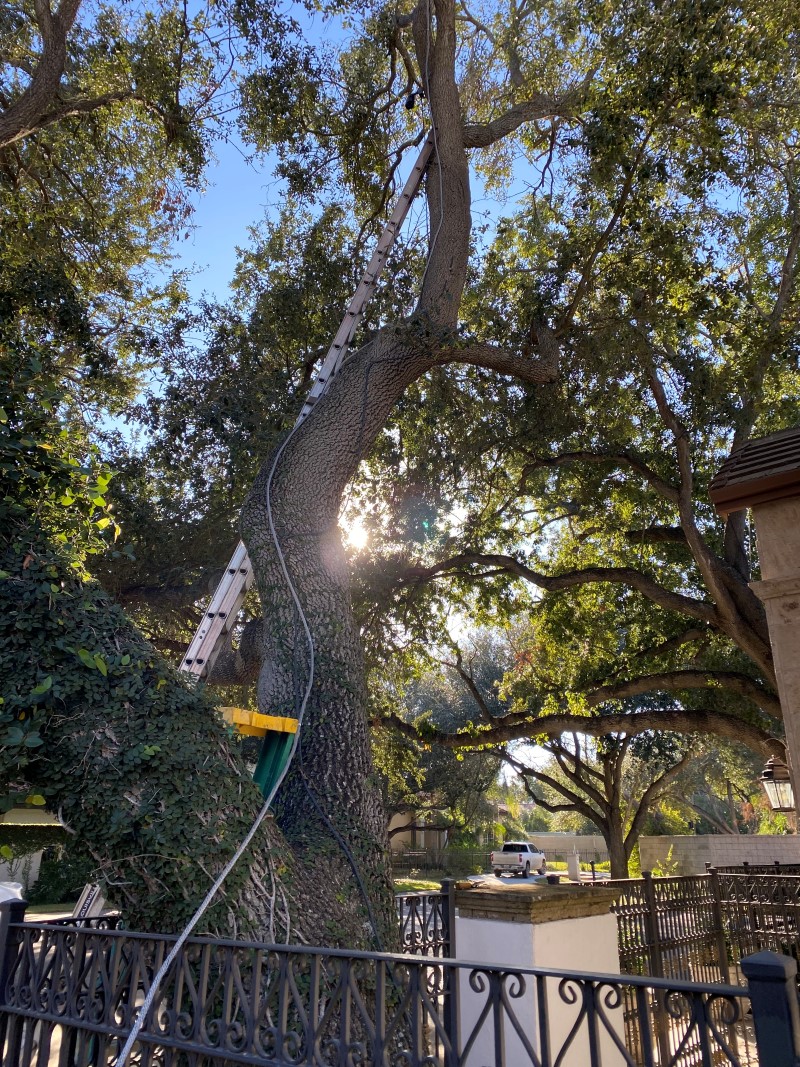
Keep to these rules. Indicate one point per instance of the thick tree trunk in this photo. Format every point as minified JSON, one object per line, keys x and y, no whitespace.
{"x":615,"y":842}
{"x":143,"y":771}
{"x":330,"y":808}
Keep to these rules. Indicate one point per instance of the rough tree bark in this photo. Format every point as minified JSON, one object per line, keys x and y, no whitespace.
{"x":331,"y":796}
{"x":28,"y":112}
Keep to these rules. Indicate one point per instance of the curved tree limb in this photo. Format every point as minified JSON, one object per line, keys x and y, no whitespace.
{"x":25,"y":114}
{"x":539,"y":106}
{"x":502,"y":361}
{"x":576,"y":801}
{"x":517,"y":727}
{"x":665,"y":598}
{"x":675,"y":681}
{"x":625,"y":458}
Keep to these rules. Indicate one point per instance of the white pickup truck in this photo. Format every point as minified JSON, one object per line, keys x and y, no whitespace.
{"x":518,"y":857}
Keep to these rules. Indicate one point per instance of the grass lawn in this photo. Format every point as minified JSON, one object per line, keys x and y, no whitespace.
{"x":416,"y":885}
{"x":52,"y":909}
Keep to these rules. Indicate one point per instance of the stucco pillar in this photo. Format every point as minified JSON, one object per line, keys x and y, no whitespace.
{"x":777,"y":526}
{"x":531,"y":925}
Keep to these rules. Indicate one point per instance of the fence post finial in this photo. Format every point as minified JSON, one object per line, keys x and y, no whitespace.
{"x":772,"y":981}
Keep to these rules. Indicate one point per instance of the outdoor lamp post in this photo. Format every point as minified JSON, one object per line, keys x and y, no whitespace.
{"x":778,"y":785}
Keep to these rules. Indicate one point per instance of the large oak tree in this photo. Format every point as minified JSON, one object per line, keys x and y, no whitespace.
{"x":618,"y":109}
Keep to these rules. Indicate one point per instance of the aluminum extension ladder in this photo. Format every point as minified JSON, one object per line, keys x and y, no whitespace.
{"x":226,"y":603}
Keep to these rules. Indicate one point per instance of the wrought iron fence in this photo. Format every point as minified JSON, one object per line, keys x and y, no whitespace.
{"x":70,"y":995}
{"x":454,"y":861}
{"x":757,"y":868}
{"x":760,"y":911}
{"x":426,"y":923}
{"x":699,"y":927}
{"x":671,"y":928}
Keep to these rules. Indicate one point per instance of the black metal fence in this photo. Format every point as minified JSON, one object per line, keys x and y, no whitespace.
{"x":70,"y":995}
{"x":694,"y":928}
{"x":426,"y":922}
{"x":699,"y":927}
{"x":453,"y":861}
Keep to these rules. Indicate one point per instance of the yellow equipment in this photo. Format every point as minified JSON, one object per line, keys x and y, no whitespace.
{"x":278,"y":734}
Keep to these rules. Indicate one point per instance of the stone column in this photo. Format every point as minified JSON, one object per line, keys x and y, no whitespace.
{"x":778,"y":531}
{"x":535,"y":926}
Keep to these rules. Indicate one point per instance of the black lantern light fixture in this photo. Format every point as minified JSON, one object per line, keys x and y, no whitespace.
{"x":777,"y":785}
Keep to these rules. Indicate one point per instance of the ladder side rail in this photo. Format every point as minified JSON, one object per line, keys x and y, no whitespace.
{"x":223,"y":607}
{"x":202,"y":654}
{"x":355,"y":309}
{"x":228,"y":598}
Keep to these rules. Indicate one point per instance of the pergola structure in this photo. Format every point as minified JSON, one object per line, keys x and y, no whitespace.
{"x":764,"y":476}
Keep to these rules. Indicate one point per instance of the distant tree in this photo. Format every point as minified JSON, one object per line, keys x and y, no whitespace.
{"x":614,"y":782}
{"x":426,"y":778}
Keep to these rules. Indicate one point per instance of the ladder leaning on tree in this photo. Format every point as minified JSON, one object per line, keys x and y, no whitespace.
{"x":226,"y":603}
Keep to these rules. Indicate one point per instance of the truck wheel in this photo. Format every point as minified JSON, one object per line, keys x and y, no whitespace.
{"x":497,"y":873}
{"x":527,"y":871}
{"x":543,"y":868}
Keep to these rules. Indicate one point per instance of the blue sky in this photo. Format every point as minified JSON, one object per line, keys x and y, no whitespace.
{"x":238,"y":195}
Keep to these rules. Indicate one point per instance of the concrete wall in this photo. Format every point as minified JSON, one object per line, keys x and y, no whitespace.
{"x":691,"y":853}
{"x":588,"y":846}
{"x":22,"y":869}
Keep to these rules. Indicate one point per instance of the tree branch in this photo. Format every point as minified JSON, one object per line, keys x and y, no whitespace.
{"x":665,"y":598}
{"x":576,"y":801}
{"x":24,"y":115}
{"x":624,"y":457}
{"x":655,"y":790}
{"x":501,"y":360}
{"x":675,"y":681}
{"x":538,"y":107}
{"x":656,"y":535}
{"x":518,"y":726}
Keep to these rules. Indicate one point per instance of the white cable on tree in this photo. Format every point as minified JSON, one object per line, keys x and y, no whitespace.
{"x":321,"y":383}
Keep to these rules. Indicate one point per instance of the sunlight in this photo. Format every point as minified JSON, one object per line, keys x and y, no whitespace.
{"x":355,"y":534}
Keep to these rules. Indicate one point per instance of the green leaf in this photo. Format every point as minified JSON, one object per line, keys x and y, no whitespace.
{"x":86,"y":658}
{"x":100,"y":663}
{"x":43,"y":686}
{"x":32,"y":741}
{"x":36,"y":799}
